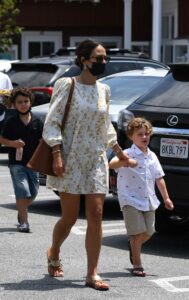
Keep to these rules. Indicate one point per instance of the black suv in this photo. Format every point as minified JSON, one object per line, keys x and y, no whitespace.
{"x":167,"y":107}
{"x":41,"y":73}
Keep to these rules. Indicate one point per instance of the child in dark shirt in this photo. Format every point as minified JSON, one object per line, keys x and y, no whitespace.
{"x":22,"y":133}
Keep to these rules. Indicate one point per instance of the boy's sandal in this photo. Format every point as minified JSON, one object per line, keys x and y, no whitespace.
{"x":138,"y":272}
{"x":130,"y":252}
{"x":96,"y":282}
{"x":54,"y":267}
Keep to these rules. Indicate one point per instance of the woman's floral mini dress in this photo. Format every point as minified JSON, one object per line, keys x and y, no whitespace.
{"x":87,"y":134}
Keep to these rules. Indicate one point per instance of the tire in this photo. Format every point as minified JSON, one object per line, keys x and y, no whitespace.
{"x":168,"y":223}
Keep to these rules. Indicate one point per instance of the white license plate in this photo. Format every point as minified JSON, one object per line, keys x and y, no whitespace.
{"x":177,"y":148}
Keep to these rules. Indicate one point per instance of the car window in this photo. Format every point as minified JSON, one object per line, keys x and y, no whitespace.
{"x":30,"y":75}
{"x":126,"y":89}
{"x":168,"y":93}
{"x":29,"y":79}
{"x":116,"y":67}
{"x":72,"y":71}
{"x":150,"y":65}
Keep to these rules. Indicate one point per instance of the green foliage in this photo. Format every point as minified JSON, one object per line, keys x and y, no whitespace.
{"x":8,"y":26}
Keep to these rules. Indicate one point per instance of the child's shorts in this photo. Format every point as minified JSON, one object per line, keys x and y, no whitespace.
{"x":137,"y":221}
{"x":25,"y":182}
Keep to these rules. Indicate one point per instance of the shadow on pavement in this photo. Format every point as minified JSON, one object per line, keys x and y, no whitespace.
{"x":4,"y":157}
{"x":160,"y":244}
{"x":45,"y":284}
{"x":52,"y":208}
{"x":4,"y":162}
{"x":9,"y":230}
{"x":112,"y":209}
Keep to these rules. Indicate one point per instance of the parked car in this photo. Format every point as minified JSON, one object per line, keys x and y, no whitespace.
{"x":125,"y":88}
{"x":5,"y":64}
{"x":41,"y":73}
{"x":128,"y":86}
{"x":167,"y":107}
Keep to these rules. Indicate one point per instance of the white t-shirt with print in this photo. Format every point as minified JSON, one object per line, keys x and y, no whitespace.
{"x":136,"y":186}
{"x":5,"y":82}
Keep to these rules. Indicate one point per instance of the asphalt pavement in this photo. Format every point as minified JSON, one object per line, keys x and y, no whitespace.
{"x":23,"y":266}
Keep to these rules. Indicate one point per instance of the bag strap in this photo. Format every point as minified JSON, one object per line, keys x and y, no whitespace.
{"x":68,"y":104}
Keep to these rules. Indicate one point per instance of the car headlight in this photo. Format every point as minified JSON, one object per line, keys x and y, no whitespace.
{"x":123,"y":119}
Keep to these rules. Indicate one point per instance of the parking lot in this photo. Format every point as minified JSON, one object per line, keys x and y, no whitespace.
{"x":23,"y":256}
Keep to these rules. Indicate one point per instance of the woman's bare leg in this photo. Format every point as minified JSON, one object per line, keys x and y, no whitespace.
{"x":94,"y":211}
{"x":70,"y":205}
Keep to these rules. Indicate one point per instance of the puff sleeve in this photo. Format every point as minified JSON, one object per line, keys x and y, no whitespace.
{"x":52,"y":126}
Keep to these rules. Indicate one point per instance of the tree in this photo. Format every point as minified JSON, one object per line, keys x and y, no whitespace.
{"x":8,"y":27}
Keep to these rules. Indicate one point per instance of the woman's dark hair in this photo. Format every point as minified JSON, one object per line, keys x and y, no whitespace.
{"x":23,"y":92}
{"x":84,"y":49}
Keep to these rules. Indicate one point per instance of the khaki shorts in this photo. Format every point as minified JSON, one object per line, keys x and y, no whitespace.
{"x":137,"y":221}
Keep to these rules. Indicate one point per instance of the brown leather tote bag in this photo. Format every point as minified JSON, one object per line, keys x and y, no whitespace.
{"x":42,"y":159}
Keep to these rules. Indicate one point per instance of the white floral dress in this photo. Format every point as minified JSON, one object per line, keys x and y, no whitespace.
{"x":87,"y":134}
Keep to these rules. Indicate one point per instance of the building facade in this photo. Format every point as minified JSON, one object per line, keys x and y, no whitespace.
{"x":133,"y":24}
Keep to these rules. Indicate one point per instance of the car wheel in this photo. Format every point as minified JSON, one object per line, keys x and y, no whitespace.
{"x":168,"y":223}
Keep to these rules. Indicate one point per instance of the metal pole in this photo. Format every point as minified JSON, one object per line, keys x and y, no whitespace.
{"x":127,"y":24}
{"x":156,"y":30}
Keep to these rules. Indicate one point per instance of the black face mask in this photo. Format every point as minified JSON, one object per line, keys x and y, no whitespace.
{"x":97,"y":68}
{"x":23,"y":113}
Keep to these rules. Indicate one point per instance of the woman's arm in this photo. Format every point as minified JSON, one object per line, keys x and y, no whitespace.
{"x":52,"y":127}
{"x":58,"y":162}
{"x":112,"y":138}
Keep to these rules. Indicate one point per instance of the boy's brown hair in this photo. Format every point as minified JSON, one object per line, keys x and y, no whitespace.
{"x":21,"y":91}
{"x":137,"y":123}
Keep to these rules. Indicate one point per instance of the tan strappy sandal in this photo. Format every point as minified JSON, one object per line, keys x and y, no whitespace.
{"x":55,"y":268}
{"x":96,"y":282}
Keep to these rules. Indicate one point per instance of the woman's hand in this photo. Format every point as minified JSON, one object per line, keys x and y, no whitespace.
{"x":127,"y":162}
{"x":58,"y":164}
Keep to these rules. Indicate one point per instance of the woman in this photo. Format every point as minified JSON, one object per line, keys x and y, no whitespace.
{"x":79,"y":156}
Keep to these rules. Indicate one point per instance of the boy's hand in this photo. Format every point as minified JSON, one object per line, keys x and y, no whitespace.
{"x":17,"y":143}
{"x":169,"y":204}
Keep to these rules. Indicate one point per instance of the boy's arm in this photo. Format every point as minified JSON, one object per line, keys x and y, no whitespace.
{"x":11,"y":143}
{"x":164,"y":193}
{"x":117,"y":163}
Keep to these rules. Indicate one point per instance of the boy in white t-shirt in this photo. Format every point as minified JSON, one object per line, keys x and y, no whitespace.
{"x":5,"y":82}
{"x":5,"y":87}
{"x":136,"y":190}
